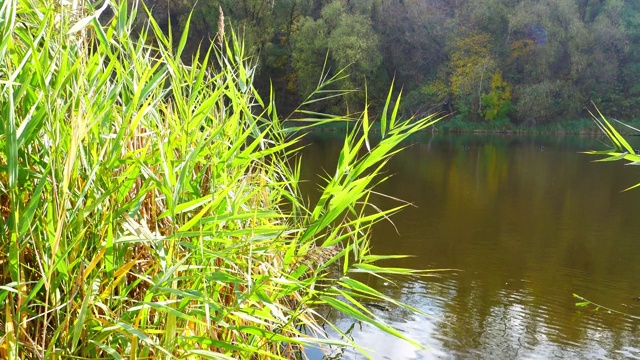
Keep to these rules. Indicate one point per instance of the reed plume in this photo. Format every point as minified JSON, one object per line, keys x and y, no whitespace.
{"x":220,"y":34}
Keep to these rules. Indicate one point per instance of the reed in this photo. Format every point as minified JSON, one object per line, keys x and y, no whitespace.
{"x":620,"y":148}
{"x":150,"y":209}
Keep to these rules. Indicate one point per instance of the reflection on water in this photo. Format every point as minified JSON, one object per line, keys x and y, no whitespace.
{"x":526,"y":222}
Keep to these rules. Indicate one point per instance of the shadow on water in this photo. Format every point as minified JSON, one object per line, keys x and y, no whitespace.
{"x":527,"y":221}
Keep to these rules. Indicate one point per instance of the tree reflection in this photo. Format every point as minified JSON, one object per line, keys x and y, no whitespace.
{"x":526,"y":229}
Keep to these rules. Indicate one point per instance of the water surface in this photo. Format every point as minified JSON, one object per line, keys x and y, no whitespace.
{"x":526,"y":221}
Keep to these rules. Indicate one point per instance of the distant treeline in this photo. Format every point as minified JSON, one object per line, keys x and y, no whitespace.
{"x":529,"y":61}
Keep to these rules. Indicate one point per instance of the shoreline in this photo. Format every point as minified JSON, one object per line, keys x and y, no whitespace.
{"x":584,"y":127}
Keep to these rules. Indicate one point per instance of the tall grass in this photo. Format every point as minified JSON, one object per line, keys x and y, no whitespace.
{"x":150,"y":209}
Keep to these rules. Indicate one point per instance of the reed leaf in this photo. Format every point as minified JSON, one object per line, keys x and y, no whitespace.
{"x":621,"y":149}
{"x":152,"y":209}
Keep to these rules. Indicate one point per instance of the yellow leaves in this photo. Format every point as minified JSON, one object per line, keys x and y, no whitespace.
{"x":521,"y":48}
{"x":498,"y":101}
{"x":471,"y":47}
{"x":119,"y":276}
{"x":498,"y":84}
{"x":470,"y":59}
{"x":9,"y":344}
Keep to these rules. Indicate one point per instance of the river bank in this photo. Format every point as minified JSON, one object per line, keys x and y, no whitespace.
{"x":456,"y":125}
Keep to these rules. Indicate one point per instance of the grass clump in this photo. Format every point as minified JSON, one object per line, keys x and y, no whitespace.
{"x":151,"y":209}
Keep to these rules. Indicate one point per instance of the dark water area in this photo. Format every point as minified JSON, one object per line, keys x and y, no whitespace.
{"x":526,"y":222}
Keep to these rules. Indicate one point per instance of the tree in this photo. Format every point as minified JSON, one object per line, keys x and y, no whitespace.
{"x":309,"y":47}
{"x":471,"y":67}
{"x":555,"y":55}
{"x":413,"y":39}
{"x":497,"y":103}
{"x":573,"y":47}
{"x":347,"y":38}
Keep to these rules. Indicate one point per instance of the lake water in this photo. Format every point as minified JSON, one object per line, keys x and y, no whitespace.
{"x":526,"y":221}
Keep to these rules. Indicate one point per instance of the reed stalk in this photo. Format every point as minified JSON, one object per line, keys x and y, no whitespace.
{"x":150,"y":209}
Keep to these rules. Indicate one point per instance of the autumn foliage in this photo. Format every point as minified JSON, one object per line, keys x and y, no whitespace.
{"x":529,"y":61}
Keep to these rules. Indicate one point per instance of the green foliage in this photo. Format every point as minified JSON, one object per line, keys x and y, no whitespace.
{"x":535,"y":103}
{"x":413,"y":37}
{"x":497,"y":103}
{"x":346,"y":39}
{"x":470,"y":67}
{"x":310,"y":49}
{"x":570,"y":52}
{"x":353,"y":41}
{"x":426,"y":99}
{"x":151,"y":209}
{"x":583,"y":303}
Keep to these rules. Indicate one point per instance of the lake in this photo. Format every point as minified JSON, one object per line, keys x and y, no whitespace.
{"x":525,"y":222}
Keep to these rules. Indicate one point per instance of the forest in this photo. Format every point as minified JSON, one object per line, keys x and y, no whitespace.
{"x":529,"y":62}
